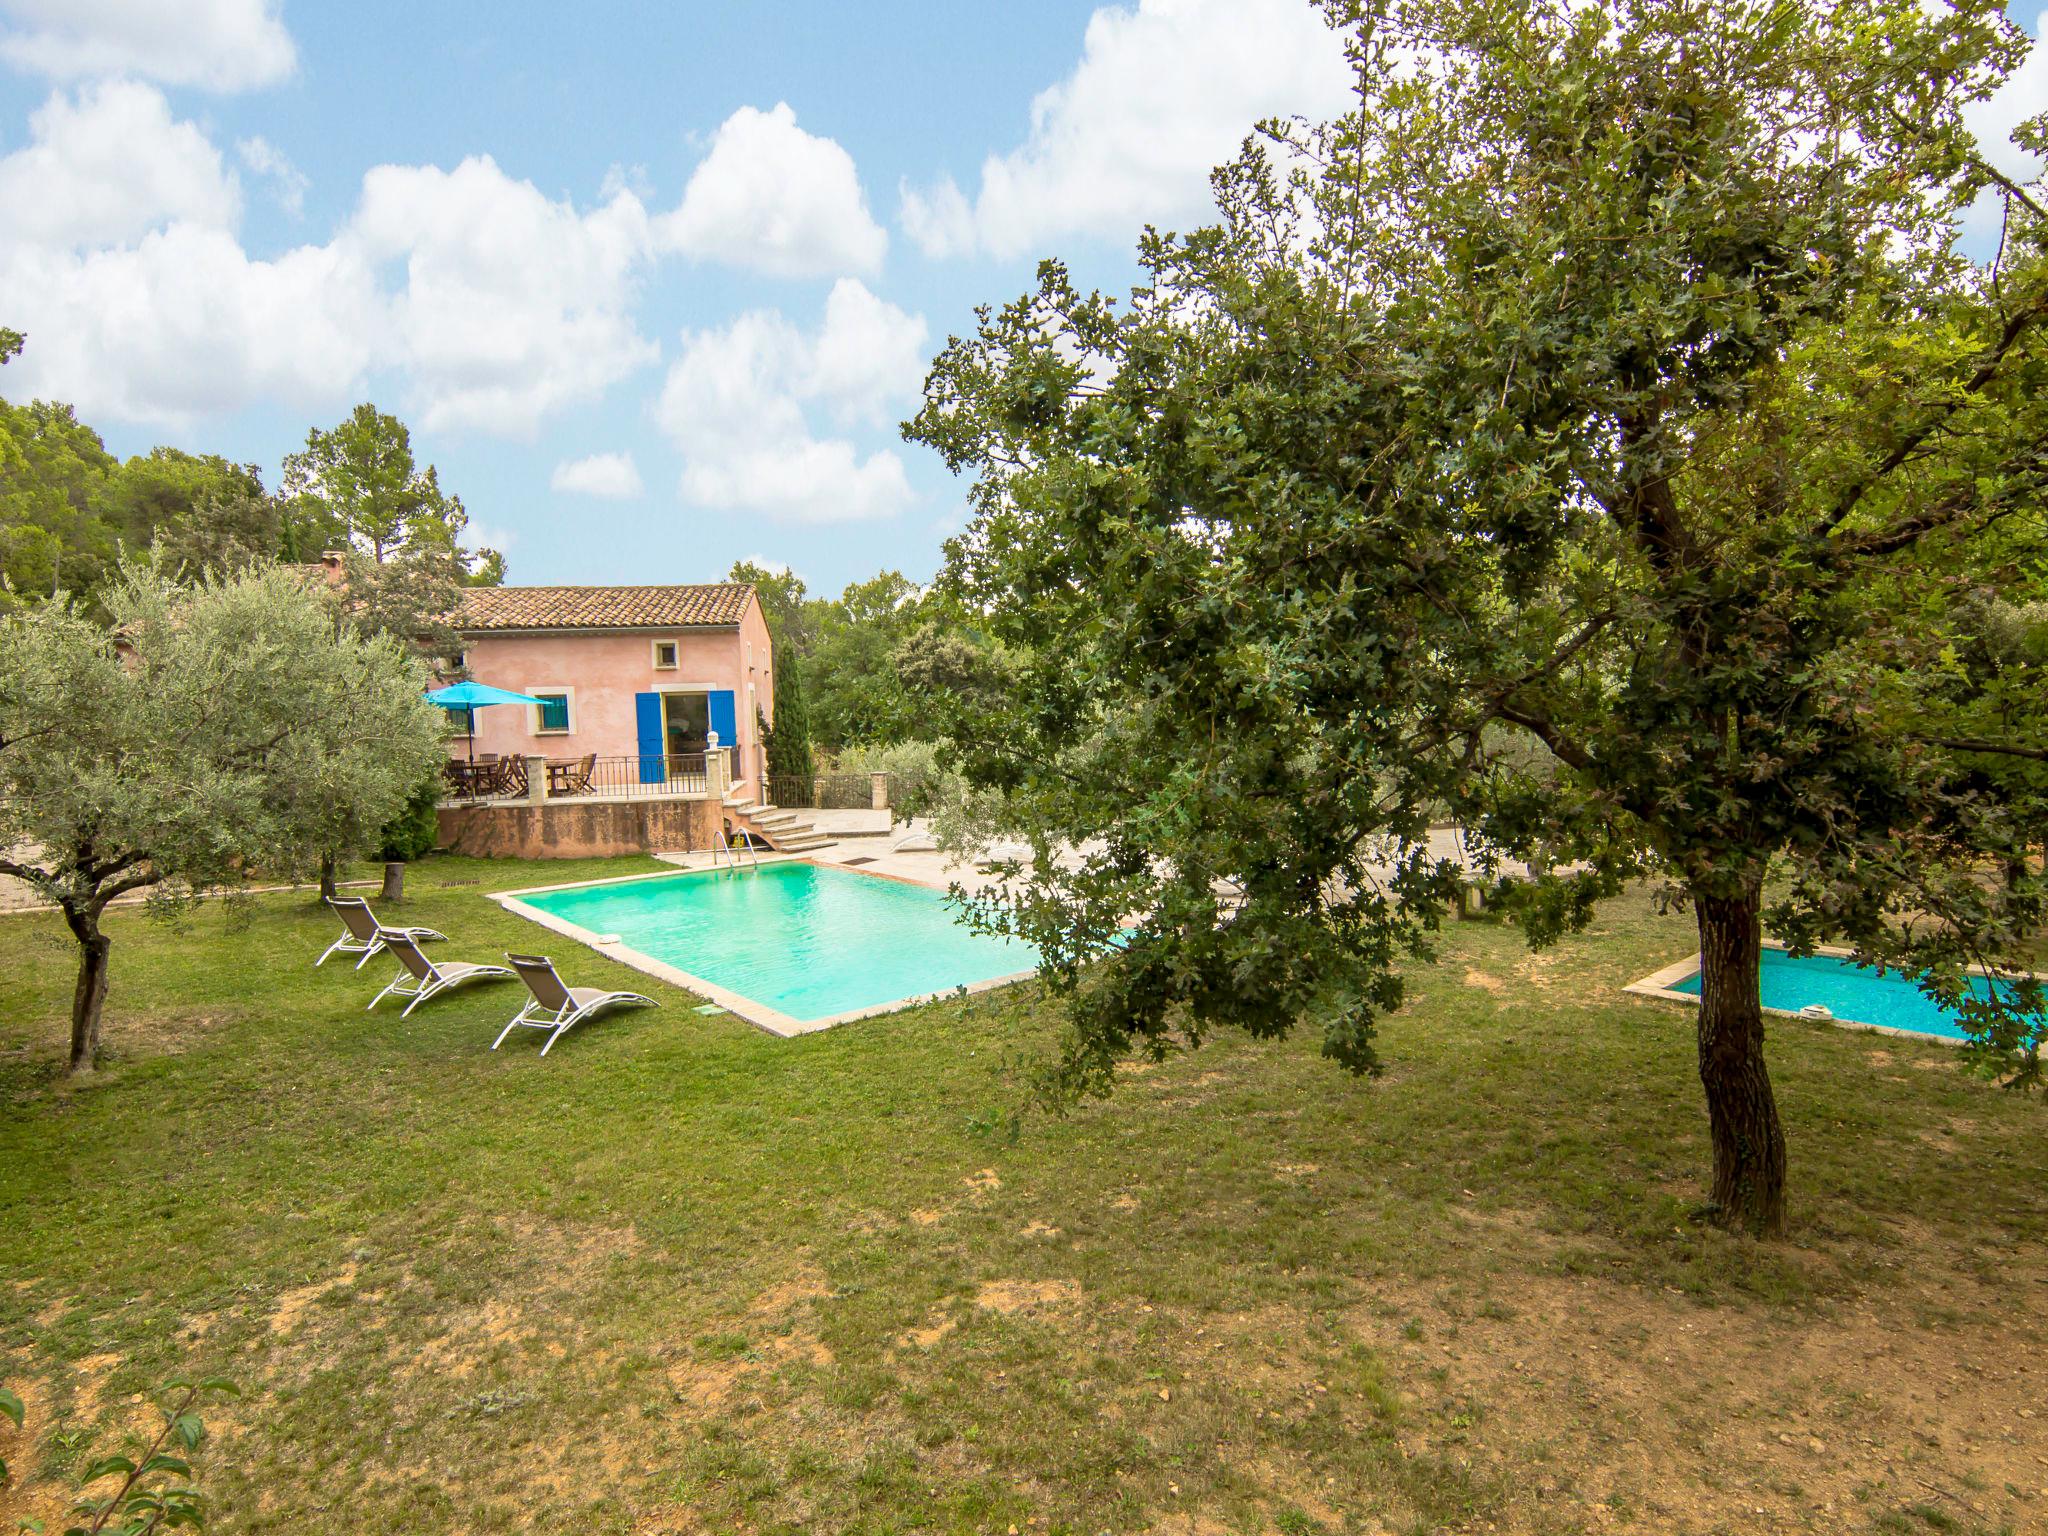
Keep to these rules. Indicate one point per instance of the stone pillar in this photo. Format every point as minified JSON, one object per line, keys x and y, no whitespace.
{"x":717,"y":767}
{"x":878,"y":791}
{"x":536,"y":780}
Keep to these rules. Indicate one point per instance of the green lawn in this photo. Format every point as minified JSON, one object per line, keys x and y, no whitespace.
{"x":683,"y":1276}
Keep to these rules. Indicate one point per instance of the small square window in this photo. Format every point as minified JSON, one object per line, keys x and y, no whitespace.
{"x":664,"y":655}
{"x":554,"y":714}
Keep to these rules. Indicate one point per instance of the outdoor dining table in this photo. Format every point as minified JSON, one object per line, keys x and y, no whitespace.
{"x":473,"y":780}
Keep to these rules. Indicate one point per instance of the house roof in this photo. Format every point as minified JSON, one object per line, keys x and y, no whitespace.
{"x":714,"y":605}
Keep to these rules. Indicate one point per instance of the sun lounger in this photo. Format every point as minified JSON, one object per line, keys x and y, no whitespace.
{"x":361,"y":933}
{"x":554,"y":1006}
{"x":420,"y":978}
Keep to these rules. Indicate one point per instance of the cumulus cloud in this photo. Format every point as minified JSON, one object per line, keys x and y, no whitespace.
{"x":513,"y":304}
{"x":287,"y":184}
{"x":1162,"y":93}
{"x":493,"y":303}
{"x":610,"y":475}
{"x":105,"y":166}
{"x":735,"y":402}
{"x":773,"y":198}
{"x":223,"y":45}
{"x":184,"y":323}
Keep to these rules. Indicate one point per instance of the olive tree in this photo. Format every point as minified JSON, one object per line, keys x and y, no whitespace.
{"x":1585,"y":437}
{"x":181,"y":747}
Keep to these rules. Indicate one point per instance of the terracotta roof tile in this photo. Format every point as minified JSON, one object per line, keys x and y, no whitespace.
{"x":712,"y":605}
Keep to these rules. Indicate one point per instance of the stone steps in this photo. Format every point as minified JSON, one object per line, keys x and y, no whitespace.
{"x":784,"y":831}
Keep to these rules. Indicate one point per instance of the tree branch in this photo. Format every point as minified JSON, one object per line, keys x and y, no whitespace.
{"x":2016,"y":327}
{"x":1563,"y":747}
{"x":134,"y":882}
{"x":1995,"y":748}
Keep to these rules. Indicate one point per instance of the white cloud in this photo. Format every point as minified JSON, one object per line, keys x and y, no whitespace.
{"x":287,"y":183}
{"x":106,"y":166}
{"x":868,"y":355}
{"x":184,"y":324}
{"x":1161,"y":94}
{"x":513,"y":304}
{"x":224,"y":45}
{"x":492,"y":303}
{"x":2023,"y":96}
{"x":775,"y":199}
{"x":478,"y":536}
{"x":612,"y":475}
{"x":735,"y":403}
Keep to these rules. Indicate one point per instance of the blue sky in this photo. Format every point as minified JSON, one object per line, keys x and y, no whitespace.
{"x":651,"y":283}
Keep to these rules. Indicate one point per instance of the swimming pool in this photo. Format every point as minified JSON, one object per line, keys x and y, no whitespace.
{"x":789,"y":946}
{"x":1851,"y":993}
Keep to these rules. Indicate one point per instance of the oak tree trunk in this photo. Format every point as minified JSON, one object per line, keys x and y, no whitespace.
{"x":1749,"y":1142}
{"x":89,"y":997}
{"x":394,"y":882}
{"x":328,"y":889}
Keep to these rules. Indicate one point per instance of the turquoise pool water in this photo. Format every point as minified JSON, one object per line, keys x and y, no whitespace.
{"x":806,"y":940}
{"x":1851,"y":992}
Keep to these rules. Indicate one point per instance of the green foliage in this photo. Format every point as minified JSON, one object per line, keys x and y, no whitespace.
{"x":11,"y":343}
{"x":844,"y":649}
{"x":410,"y":596}
{"x":413,"y":832}
{"x":68,"y":508}
{"x":155,"y":1491}
{"x":1605,"y":382}
{"x":357,"y":484}
{"x":57,"y":531}
{"x":205,"y":732}
{"x":789,"y":744}
{"x":790,"y":616}
{"x":850,"y":679}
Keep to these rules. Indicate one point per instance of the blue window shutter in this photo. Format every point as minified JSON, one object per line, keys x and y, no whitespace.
{"x":554,"y":711}
{"x":647,"y":717}
{"x":722,"y":719}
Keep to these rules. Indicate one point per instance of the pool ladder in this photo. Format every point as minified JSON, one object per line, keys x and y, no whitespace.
{"x":723,"y":852}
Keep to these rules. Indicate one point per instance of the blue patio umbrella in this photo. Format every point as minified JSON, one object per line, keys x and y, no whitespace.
{"x":470,"y":697}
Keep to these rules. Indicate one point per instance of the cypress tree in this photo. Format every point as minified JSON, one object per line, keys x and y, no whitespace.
{"x":789,"y":744}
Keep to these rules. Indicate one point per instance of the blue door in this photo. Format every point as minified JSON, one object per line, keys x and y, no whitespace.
{"x":723,"y":719}
{"x":647,"y":724}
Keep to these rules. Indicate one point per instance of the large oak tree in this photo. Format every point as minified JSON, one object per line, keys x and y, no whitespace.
{"x":1593,"y":436}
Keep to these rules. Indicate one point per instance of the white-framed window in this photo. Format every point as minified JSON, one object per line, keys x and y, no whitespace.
{"x":665,"y":657}
{"x":555,"y":714}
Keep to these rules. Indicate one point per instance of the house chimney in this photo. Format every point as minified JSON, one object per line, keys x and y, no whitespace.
{"x":332,"y":567}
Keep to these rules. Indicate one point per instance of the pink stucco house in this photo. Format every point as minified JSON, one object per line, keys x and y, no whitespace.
{"x":646,"y":673}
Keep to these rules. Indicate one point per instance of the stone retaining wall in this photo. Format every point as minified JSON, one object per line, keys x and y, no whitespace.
{"x":579,"y":829}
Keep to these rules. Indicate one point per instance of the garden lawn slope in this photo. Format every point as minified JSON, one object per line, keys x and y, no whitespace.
{"x":684,"y":1276}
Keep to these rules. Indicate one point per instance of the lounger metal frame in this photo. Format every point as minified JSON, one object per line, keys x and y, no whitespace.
{"x":556,"y":1019}
{"x":438,"y":979}
{"x":351,"y":944}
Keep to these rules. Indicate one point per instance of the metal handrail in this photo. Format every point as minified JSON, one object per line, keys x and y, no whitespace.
{"x":723,"y":845}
